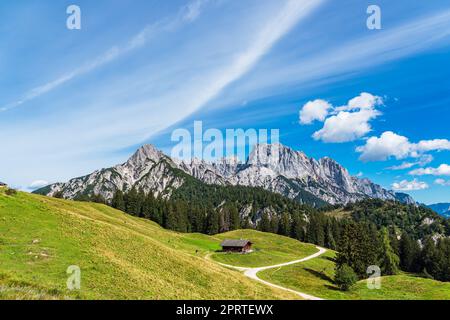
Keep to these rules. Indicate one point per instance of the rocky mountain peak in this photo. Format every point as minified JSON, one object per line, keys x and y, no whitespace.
{"x":281,"y":160}
{"x":145,"y":153}
{"x":263,"y":153}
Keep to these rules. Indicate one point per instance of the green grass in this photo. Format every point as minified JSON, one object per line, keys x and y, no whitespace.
{"x":268,"y":249}
{"x":121,"y":257}
{"x":315,"y":277}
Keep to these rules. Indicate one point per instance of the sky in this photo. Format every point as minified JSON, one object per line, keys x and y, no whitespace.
{"x":377,"y":101}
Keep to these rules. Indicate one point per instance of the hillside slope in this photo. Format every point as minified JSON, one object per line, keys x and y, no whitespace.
{"x":316,"y":277}
{"x":121,"y":257}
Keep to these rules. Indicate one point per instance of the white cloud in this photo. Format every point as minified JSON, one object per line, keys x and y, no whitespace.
{"x":404,"y":165}
{"x":424,"y":160}
{"x":387,"y":145}
{"x":363,"y":101}
{"x":406,"y":185}
{"x":37,"y":184}
{"x":314,"y":110}
{"x":349,"y":122}
{"x":390,"y":144}
{"x":430,"y":145}
{"x":442,"y":182}
{"x":346,"y":126}
{"x":442,"y":170}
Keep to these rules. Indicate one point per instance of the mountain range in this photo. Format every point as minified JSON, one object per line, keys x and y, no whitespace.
{"x":291,"y":173}
{"x":442,"y":208}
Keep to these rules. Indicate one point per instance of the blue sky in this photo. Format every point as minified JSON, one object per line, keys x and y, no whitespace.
{"x":73,"y":101}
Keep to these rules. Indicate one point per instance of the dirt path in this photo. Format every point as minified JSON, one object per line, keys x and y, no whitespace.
{"x":252,"y":273}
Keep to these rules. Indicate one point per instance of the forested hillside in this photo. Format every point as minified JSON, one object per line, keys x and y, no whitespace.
{"x":389,"y":234}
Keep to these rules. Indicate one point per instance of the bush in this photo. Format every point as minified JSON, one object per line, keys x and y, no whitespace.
{"x":10,"y":192}
{"x":345,"y":277}
{"x":58,"y":195}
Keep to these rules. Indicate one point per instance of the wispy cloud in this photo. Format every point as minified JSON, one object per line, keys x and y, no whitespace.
{"x":187,"y":14}
{"x":422,"y":34}
{"x":442,"y":182}
{"x":424,"y":160}
{"x":281,"y":23}
{"x":442,"y":170}
{"x":37,"y":184}
{"x":413,"y":185}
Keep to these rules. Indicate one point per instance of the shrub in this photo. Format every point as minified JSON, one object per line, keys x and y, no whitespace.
{"x":10,"y":192}
{"x":345,"y":277}
{"x":58,"y":195}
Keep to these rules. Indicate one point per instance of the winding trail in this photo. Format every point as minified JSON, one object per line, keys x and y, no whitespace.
{"x":252,"y":273}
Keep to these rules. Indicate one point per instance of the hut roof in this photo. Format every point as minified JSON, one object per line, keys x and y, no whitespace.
{"x":235,"y":243}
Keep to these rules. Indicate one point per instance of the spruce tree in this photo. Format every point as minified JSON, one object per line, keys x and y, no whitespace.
{"x":409,"y":251}
{"x":329,"y":238}
{"x":428,"y":257}
{"x":235,"y":222}
{"x":212,"y":222}
{"x":133,"y":203}
{"x":284,"y":225}
{"x":264,"y":224}
{"x":119,"y":200}
{"x":389,"y":261}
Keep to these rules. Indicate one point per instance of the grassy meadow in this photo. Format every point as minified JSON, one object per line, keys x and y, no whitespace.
{"x":268,"y":249}
{"x":121,"y":257}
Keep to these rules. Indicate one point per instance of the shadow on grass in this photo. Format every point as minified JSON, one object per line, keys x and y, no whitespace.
{"x":331,"y":287}
{"x":320,"y":275}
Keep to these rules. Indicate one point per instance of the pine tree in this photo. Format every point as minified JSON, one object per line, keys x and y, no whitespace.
{"x":442,"y":260}
{"x":409,"y":251}
{"x":118,"y":201}
{"x":170,"y":222}
{"x":428,"y":257}
{"x":148,"y":206}
{"x":316,"y":233}
{"x":357,"y":247}
{"x":284,"y":225}
{"x":297,"y":227}
{"x":329,"y":238}
{"x":212,"y":222}
{"x":234,"y":218}
{"x":389,"y":261}
{"x":274,"y":224}
{"x":132,"y":202}
{"x":264,"y":224}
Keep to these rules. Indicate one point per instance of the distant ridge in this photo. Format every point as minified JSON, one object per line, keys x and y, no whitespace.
{"x":441,"y":208}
